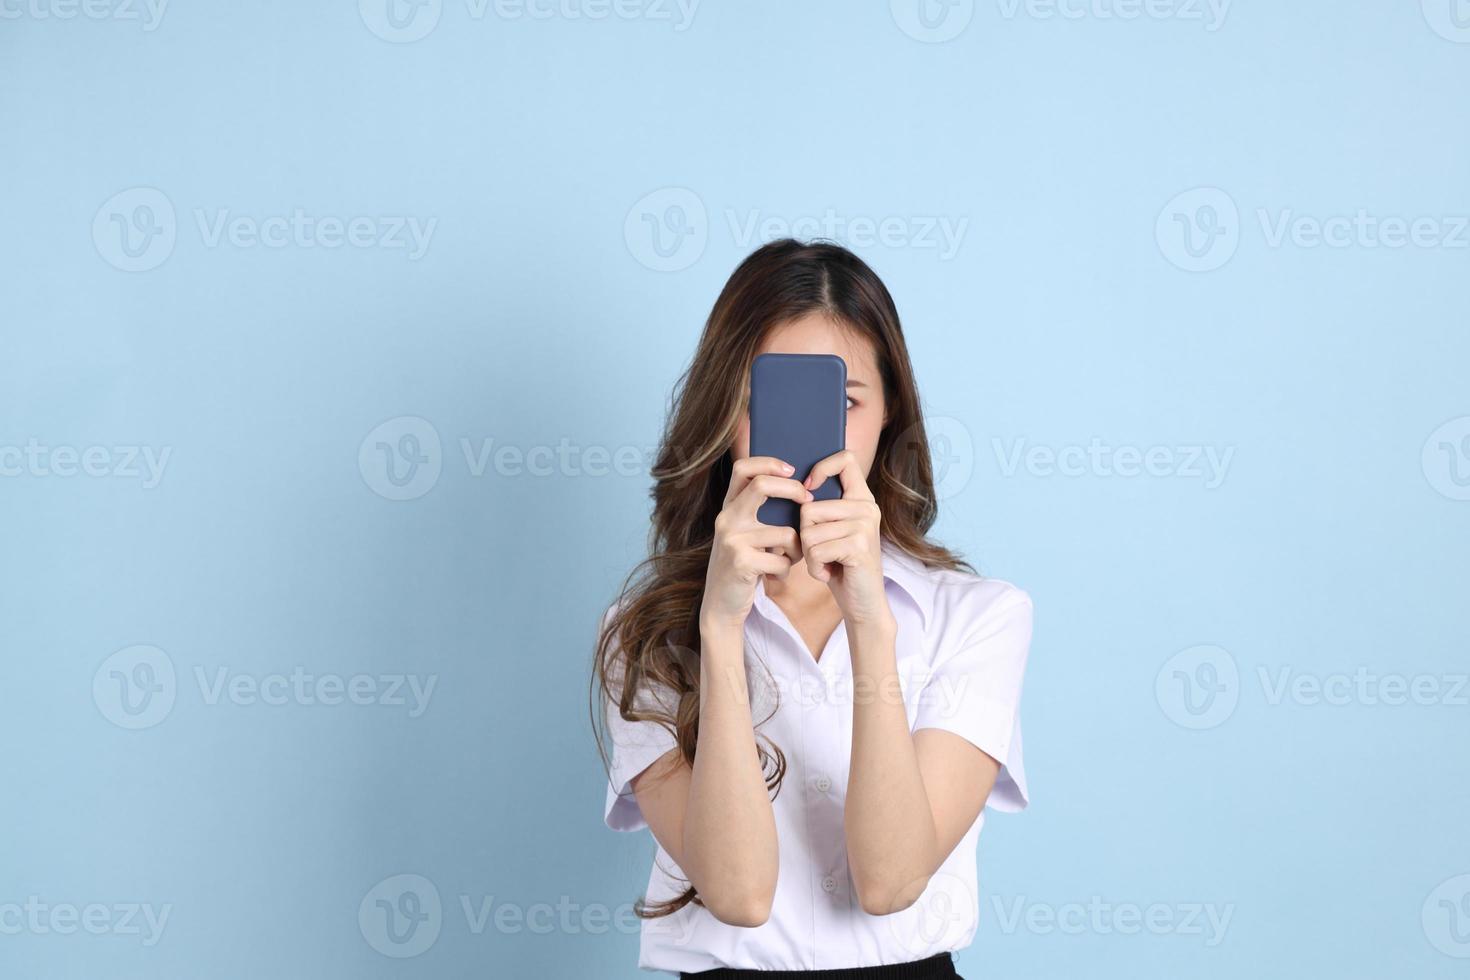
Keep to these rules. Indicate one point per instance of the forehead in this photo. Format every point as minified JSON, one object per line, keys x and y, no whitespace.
{"x":818,"y":334}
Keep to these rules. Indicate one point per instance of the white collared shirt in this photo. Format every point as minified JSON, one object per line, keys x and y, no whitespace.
{"x":961,"y":652}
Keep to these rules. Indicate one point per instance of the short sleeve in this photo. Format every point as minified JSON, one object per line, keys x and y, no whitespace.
{"x":975,"y":692}
{"x":633,"y":746}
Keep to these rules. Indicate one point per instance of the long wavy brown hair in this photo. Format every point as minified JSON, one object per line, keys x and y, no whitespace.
{"x":649,"y":643}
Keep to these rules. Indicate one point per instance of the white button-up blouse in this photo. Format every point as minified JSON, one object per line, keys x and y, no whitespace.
{"x":961,"y":651}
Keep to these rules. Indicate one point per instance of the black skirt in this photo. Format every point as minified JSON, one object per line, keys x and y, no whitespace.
{"x":940,"y":967}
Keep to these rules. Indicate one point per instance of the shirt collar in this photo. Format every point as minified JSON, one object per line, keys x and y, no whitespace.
{"x":913,"y":578}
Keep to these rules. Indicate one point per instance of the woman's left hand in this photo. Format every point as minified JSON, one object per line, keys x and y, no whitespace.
{"x":841,"y":544}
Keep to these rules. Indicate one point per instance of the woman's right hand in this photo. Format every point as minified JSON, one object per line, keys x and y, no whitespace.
{"x":739,"y":555}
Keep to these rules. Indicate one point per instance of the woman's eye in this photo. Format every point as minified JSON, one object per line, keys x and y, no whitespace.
{"x":851,"y":403}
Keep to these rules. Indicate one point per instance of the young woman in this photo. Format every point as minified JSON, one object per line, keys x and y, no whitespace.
{"x":810,"y":722}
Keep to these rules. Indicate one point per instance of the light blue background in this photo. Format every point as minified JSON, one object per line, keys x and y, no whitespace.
{"x":534,"y":317}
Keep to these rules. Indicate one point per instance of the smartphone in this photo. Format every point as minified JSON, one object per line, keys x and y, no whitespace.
{"x":798,"y":413}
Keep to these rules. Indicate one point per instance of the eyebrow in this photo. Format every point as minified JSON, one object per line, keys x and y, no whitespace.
{"x":857,"y":384}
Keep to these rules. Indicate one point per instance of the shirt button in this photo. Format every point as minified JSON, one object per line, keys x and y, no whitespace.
{"x":823,"y":784}
{"x":829,"y":884}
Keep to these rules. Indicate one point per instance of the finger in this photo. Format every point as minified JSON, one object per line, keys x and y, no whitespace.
{"x":844,"y":466}
{"x":763,"y":563}
{"x":763,"y":487}
{"x":824,"y":511}
{"x":782,"y":539}
{"x":751,"y":466}
{"x":819,"y":556}
{"x":819,"y":534}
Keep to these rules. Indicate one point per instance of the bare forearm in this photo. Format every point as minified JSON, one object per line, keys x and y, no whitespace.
{"x":730,"y":850}
{"x":891,"y":837}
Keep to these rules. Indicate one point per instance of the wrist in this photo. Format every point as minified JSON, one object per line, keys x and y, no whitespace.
{"x":722,"y":660}
{"x":878,"y":628}
{"x":872,"y":618}
{"x":719,"y":633}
